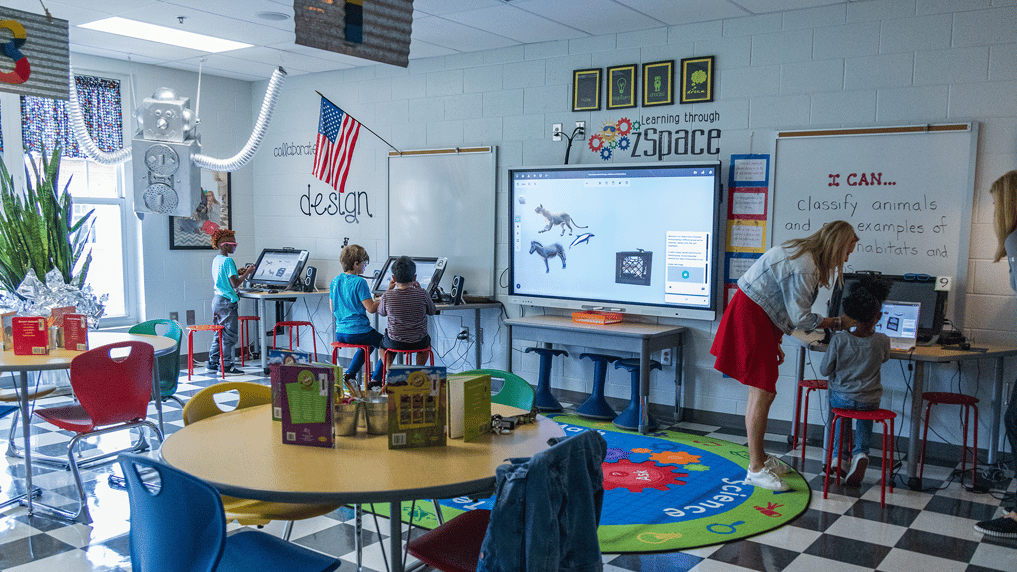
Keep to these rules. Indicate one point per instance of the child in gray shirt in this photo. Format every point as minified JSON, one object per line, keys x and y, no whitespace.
{"x":853,"y":362}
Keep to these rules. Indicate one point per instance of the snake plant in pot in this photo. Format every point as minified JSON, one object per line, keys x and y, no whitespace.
{"x":37,"y":230}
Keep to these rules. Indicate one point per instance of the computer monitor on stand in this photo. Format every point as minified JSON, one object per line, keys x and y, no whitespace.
{"x":919,"y":288}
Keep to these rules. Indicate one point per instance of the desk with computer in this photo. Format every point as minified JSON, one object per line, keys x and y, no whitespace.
{"x":913,"y":317}
{"x":281,"y":275}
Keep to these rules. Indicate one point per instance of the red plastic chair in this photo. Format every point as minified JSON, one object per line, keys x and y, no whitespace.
{"x":881,"y":415}
{"x":968,"y":402}
{"x":296,"y":325}
{"x":244,"y":337}
{"x":405,"y":353}
{"x":336,"y":346}
{"x":113,"y":391}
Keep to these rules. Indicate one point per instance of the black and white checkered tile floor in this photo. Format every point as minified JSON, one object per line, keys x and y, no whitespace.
{"x":917,"y":531}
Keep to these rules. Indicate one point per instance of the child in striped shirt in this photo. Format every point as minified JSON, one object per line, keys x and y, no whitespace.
{"x":407,"y":307}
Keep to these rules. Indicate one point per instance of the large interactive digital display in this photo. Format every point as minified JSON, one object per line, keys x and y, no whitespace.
{"x":627,"y":238}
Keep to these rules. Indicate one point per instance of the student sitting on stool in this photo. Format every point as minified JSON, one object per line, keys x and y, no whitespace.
{"x":350,"y":300}
{"x":407,"y":307}
{"x":853,"y":363}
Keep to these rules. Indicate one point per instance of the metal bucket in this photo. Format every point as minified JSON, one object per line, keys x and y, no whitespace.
{"x":377,"y":417}
{"x":346,"y":415}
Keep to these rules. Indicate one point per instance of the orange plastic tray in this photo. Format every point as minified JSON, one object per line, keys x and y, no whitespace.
{"x":596,"y":317}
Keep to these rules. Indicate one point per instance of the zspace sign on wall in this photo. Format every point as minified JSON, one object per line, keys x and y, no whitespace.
{"x":34,"y":54}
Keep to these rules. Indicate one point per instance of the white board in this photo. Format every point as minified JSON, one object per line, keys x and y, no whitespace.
{"x":907,"y":191}
{"x":442,"y":203}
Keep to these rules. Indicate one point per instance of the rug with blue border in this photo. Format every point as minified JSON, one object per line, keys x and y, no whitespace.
{"x":665,"y":491}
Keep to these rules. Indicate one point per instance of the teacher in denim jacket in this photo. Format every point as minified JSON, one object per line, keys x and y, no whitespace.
{"x":775,"y":296}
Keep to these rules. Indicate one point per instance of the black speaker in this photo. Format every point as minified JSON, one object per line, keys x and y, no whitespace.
{"x":457,"y":290}
{"x":310,"y":273}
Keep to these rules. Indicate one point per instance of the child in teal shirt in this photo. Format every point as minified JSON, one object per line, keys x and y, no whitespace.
{"x":225,"y":279}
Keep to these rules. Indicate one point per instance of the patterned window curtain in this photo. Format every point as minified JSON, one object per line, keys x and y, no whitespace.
{"x":44,"y":122}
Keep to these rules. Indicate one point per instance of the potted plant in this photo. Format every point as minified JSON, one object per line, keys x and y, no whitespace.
{"x":36,"y":228}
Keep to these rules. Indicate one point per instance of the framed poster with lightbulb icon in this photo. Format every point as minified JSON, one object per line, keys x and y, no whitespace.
{"x":658,"y":83}
{"x":213,"y":212}
{"x":621,"y":81}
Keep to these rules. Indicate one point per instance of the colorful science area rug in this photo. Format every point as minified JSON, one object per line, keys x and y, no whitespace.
{"x":665,"y":491}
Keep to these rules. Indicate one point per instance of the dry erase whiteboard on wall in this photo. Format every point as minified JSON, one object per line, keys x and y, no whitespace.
{"x":906,"y":190}
{"x":441,"y":202}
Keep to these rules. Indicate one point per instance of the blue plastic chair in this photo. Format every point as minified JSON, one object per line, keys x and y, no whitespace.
{"x":181,"y":528}
{"x":169,"y":364}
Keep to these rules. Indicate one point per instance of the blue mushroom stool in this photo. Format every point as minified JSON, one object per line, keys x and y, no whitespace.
{"x":629,"y":419}
{"x":545,"y":401}
{"x":596,"y":407}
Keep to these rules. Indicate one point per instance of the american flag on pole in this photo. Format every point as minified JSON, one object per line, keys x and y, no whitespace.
{"x":337,"y":136}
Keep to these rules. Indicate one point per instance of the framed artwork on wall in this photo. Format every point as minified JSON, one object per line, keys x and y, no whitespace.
{"x":213,"y":212}
{"x":697,"y":80}
{"x":586,"y":90}
{"x":658,"y":83}
{"x":621,"y":90}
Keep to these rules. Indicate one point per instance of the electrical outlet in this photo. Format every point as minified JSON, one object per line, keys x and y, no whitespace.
{"x":581,"y":126}
{"x":190,"y":317}
{"x":175,"y":316}
{"x":556,"y":132}
{"x":665,"y":356}
{"x":464,"y":335}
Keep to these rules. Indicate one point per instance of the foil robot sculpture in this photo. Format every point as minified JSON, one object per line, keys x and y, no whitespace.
{"x":166,"y":149}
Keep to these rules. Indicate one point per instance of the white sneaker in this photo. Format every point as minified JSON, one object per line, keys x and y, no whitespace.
{"x":766,"y":479}
{"x":776,"y":466}
{"x":856,"y":473}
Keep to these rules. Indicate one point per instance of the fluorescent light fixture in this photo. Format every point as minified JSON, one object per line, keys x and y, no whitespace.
{"x":163,"y":35}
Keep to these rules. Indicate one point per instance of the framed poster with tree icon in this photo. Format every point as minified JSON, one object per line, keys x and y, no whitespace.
{"x":658,"y":83}
{"x":586,"y":90}
{"x":621,"y":82}
{"x":697,"y":80}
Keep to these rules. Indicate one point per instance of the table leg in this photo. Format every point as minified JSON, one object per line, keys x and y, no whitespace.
{"x":157,"y":395}
{"x":644,"y":388}
{"x":997,"y":404}
{"x":679,"y":380}
{"x":262,"y":339}
{"x":396,"y":535}
{"x":917,"y":390}
{"x":23,"y":402}
{"x":799,"y":375}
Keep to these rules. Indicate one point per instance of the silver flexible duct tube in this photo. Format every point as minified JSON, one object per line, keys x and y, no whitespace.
{"x":245,"y":154}
{"x":85,"y":138}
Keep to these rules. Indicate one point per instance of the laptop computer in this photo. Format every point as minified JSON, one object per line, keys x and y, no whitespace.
{"x":900,"y":323}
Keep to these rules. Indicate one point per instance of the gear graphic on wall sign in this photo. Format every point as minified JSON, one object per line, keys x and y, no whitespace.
{"x":638,"y":476}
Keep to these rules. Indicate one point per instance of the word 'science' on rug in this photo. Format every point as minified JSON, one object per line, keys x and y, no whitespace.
{"x":663,"y":492}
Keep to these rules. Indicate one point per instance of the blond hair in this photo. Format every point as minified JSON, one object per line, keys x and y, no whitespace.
{"x":351,"y":255}
{"x":1005,"y":216}
{"x":829,"y":247}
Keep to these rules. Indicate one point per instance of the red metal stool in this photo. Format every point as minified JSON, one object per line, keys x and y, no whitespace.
{"x":968,"y":402}
{"x":405,"y":353}
{"x":296,"y":325}
{"x":244,"y":338}
{"x":881,"y":415}
{"x":801,"y":426}
{"x":190,"y":347}
{"x":364,"y":348}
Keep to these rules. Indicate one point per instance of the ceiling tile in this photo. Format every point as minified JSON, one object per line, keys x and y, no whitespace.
{"x":597,"y":17}
{"x":519,"y":25}
{"x":456,"y":36}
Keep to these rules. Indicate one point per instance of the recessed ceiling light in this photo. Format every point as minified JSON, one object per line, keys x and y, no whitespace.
{"x":274,"y":16}
{"x":163,"y":35}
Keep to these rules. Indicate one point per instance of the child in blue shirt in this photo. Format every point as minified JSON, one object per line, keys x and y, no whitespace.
{"x":350,"y":300}
{"x":225,"y":279}
{"x":853,"y":363}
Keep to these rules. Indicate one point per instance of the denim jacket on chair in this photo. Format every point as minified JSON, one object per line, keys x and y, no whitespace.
{"x":784,"y":288}
{"x":547,"y":510}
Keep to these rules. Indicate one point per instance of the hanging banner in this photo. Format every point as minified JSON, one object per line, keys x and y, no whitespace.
{"x":378,"y":30}
{"x":34,"y":54}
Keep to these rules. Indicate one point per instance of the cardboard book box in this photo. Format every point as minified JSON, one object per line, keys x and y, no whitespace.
{"x":307,"y":399}
{"x":276,"y":359}
{"x":416,"y":406}
{"x":31,"y":336}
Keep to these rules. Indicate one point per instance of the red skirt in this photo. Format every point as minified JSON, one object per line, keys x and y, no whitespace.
{"x":746,"y":344}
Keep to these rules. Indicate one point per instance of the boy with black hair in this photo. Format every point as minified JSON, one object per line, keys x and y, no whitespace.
{"x":225,"y":280}
{"x":407,"y":307}
{"x":853,"y":362}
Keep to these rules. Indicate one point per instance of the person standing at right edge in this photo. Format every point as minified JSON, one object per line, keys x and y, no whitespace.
{"x":775,"y":295}
{"x":1004,"y":201}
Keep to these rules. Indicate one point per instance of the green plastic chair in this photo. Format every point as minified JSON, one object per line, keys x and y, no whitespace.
{"x":515,"y":392}
{"x":169,"y":364}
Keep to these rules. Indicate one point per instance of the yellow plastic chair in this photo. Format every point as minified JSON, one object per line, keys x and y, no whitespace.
{"x":250,"y":512}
